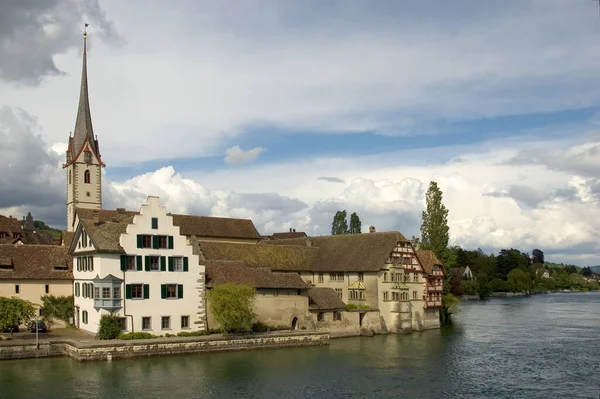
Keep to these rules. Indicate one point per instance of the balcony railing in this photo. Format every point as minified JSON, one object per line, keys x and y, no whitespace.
{"x":107,"y":303}
{"x":433,"y":304}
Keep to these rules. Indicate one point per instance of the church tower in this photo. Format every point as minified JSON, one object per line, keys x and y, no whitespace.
{"x":83,"y":162}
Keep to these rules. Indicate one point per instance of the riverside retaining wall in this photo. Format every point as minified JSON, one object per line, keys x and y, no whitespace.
{"x":109,"y":350}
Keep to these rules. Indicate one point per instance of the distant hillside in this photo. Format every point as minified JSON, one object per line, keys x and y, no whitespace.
{"x":41,"y":226}
{"x":552,"y":264}
{"x":595,"y":269}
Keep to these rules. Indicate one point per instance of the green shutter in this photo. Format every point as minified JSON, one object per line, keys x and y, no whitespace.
{"x":179,"y":291}
{"x":138,"y":260}
{"x":146,"y":291}
{"x":170,"y":242}
{"x":163,"y":263}
{"x":155,"y":223}
{"x":147,"y":264}
{"x":127,"y":291}
{"x":139,"y":267}
{"x":170,"y":264}
{"x":185,"y":264}
{"x":140,"y":240}
{"x":123,"y":262}
{"x":163,"y":291}
{"x":155,"y":242}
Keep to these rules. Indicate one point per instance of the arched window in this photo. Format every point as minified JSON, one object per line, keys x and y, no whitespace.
{"x":86,"y":177}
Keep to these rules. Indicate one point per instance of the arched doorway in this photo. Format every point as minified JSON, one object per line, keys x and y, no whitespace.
{"x":295,"y":323}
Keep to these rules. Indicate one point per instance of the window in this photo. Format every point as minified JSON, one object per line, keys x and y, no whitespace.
{"x":386,"y":296}
{"x":97,"y":292}
{"x":91,"y":263}
{"x":406,"y":277}
{"x":47,"y":288}
{"x":144,"y":241}
{"x":177,"y":264}
{"x":16,"y":288}
{"x":155,"y":223}
{"x":165,"y":322}
{"x":160,"y":242}
{"x":87,"y":193}
{"x":76,"y":289}
{"x":320,"y":316}
{"x":395,"y":296}
{"x":116,"y":292}
{"x":146,"y":323}
{"x":171,"y":291}
{"x":339,"y":292}
{"x":131,"y":263}
{"x":385,"y":277}
{"x":86,"y":177}
{"x":185,"y":321}
{"x":415,"y":277}
{"x":336,"y":276}
{"x":414,"y":294}
{"x":320,"y":277}
{"x":361,"y":277}
{"x":83,"y":239}
{"x":84,"y":317}
{"x":137,"y":291}
{"x":337,"y":316}
{"x":105,"y":292}
{"x":154,"y":263}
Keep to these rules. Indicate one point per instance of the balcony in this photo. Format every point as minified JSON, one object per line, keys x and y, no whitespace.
{"x":433,"y":304}
{"x":107,"y":303}
{"x":435,"y":288}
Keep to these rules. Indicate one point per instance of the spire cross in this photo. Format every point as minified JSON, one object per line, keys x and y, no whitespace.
{"x":85,"y":37}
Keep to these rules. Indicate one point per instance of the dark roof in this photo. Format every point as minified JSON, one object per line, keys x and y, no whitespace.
{"x":274,"y":257}
{"x":240,"y":273}
{"x":105,"y":235}
{"x":325,"y":299}
{"x":428,"y":260}
{"x":351,"y":252}
{"x":202,"y":226}
{"x":39,"y":238}
{"x":293,"y":234}
{"x":10,"y":225}
{"x":66,"y":237}
{"x":208,"y":226}
{"x":35,"y":262}
{"x":458,"y":271}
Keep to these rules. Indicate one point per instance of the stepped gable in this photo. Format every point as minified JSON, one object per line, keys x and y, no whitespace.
{"x":35,"y":262}
{"x":274,"y":257}
{"x":219,"y":272}
{"x":325,"y":299}
{"x":189,"y":225}
{"x":428,"y":259}
{"x":366,"y":252}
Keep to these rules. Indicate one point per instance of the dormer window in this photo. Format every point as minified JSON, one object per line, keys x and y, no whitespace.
{"x":86,"y":177}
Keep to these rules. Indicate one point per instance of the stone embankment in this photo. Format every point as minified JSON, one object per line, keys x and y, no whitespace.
{"x":109,"y":350}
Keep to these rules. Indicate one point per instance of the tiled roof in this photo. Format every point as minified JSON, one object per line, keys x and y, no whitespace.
{"x":202,"y":226}
{"x":285,"y":235}
{"x":274,"y":257}
{"x":239,"y":273}
{"x":105,"y":235}
{"x":38,"y":237}
{"x":428,"y":260}
{"x":325,"y":299}
{"x":10,"y":225}
{"x":35,"y":262}
{"x":66,"y":237}
{"x":458,"y":271}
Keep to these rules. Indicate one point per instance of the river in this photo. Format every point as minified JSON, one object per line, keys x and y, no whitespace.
{"x":547,"y":346}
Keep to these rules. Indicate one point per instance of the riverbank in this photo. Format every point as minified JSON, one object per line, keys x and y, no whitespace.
{"x":127,"y":349}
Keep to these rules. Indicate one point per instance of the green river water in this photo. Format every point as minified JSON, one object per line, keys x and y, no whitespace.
{"x":547,"y":346}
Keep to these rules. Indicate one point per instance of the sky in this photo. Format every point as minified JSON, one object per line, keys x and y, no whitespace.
{"x":286,"y":112}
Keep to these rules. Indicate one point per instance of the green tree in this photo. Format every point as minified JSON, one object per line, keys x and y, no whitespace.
{"x":484,"y":289}
{"x":537,"y":256}
{"x":434,"y":227}
{"x":355,"y":224}
{"x":586,"y":272}
{"x":15,"y":311}
{"x":109,"y":328}
{"x":470,"y":287}
{"x":498,"y":285}
{"x":57,"y":307}
{"x":519,"y":281}
{"x":231,"y":304}
{"x":339,"y":225}
{"x":449,"y":306}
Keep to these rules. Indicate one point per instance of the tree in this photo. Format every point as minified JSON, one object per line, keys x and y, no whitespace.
{"x":537,"y":256}
{"x":109,"y":327}
{"x":339,"y":225}
{"x":14,"y":312}
{"x":519,"y":281}
{"x":57,"y":307}
{"x":498,"y":285}
{"x":586,"y":272}
{"x":434,"y":228}
{"x":470,"y":287}
{"x":231,"y":304}
{"x":355,"y":224}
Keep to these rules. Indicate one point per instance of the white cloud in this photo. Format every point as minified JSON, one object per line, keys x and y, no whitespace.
{"x":235,"y":155}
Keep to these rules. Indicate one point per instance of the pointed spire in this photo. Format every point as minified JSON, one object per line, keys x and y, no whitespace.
{"x":83,"y":124}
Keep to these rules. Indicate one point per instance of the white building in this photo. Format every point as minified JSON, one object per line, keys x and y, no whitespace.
{"x":139,"y":268}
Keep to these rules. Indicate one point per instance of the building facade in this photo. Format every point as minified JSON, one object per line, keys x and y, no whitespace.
{"x":140,"y":269}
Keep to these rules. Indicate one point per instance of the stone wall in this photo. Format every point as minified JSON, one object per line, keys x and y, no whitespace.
{"x":109,"y":350}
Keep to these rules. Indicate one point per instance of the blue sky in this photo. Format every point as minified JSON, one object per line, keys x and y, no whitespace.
{"x":243,"y":111}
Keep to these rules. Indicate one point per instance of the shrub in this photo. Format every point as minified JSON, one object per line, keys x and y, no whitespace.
{"x":109,"y":328}
{"x":57,"y":307}
{"x":15,"y":311}
{"x":470,"y":287}
{"x":136,"y":335}
{"x":193,"y":333}
{"x":231,"y":304}
{"x":497,"y":285}
{"x":351,"y":306}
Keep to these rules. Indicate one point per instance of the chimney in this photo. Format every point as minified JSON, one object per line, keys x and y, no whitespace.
{"x":121,"y":211}
{"x":96,"y":214}
{"x":371,"y":229}
{"x":290,"y":229}
{"x":294,"y":230}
